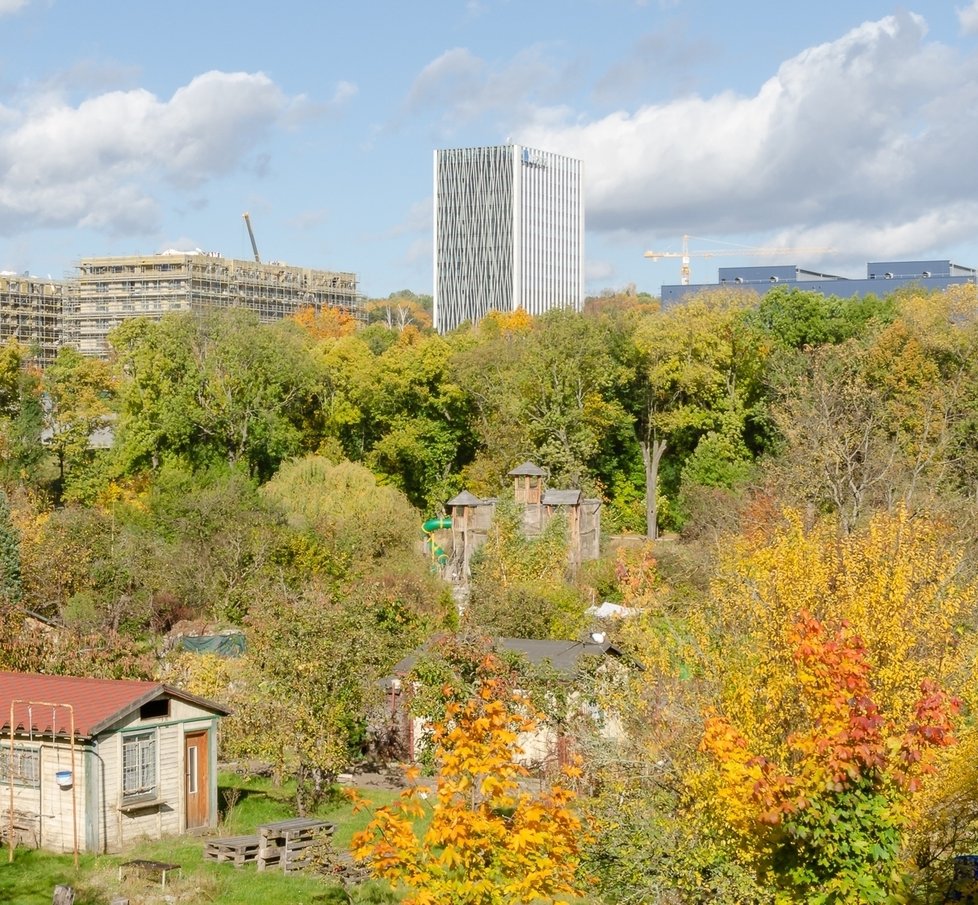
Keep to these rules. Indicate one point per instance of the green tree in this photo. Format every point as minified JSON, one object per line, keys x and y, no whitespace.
{"x":309,"y":678}
{"x":697,"y":369}
{"x":213,"y":541}
{"x":547,"y":390}
{"x":356,"y":521}
{"x":796,"y":318}
{"x":10,"y":581}
{"x":401,"y":410}
{"x":21,"y":417}
{"x":79,"y":401}
{"x":521,"y":586}
{"x":215,"y":387}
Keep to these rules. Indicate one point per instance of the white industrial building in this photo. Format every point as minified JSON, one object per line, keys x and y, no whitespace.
{"x":508,"y":232}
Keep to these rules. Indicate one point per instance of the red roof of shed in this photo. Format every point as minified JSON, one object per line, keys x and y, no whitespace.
{"x":97,"y":703}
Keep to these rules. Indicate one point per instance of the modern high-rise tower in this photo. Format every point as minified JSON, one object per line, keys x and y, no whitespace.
{"x":509,"y":232}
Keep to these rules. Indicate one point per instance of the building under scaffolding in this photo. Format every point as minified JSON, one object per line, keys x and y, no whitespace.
{"x":32,"y":312}
{"x":107,"y":291}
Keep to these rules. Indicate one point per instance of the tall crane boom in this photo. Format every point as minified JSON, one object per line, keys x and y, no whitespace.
{"x":251,"y":235}
{"x":739,"y":251}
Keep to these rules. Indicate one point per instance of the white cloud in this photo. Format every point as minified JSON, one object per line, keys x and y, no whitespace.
{"x":461,"y":87}
{"x":968,"y":18}
{"x":419,"y":252}
{"x":344,"y":92}
{"x":8,"y":7}
{"x":863,"y":138}
{"x":95,"y":164}
{"x":660,"y":60}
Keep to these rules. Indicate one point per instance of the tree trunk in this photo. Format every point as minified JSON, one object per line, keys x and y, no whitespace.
{"x":63,"y":895}
{"x":652,"y":451}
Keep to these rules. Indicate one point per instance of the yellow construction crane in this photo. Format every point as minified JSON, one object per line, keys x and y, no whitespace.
{"x":251,"y":235}
{"x":739,"y":251}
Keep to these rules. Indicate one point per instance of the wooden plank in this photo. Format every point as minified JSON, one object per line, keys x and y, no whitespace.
{"x":282,"y":842}
{"x":239,"y":850}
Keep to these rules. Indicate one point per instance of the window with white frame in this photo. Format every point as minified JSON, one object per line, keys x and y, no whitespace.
{"x":139,"y":766}
{"x":24,"y":763}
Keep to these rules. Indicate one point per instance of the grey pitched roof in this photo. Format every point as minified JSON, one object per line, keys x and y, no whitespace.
{"x":562,"y":498}
{"x":564,"y":656}
{"x":528,"y":468}
{"x":465,"y":499}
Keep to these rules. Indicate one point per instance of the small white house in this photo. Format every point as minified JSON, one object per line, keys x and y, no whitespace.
{"x":101,"y":763}
{"x":548,"y":744}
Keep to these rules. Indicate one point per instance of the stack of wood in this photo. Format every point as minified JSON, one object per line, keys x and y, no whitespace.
{"x":238,"y":850}
{"x":287,"y":844}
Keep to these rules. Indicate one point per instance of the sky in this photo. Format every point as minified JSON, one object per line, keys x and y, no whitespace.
{"x":845,"y":129}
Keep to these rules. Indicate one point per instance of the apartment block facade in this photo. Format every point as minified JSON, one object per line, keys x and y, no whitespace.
{"x":508,"y":232}
{"x":107,"y":291}
{"x":32,"y":312}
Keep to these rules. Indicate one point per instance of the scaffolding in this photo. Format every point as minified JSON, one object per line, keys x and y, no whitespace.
{"x":107,"y":291}
{"x":32,"y":313}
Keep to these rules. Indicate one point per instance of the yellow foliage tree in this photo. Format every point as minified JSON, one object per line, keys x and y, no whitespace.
{"x":897,"y":584}
{"x":896,"y":593}
{"x":487,"y":843}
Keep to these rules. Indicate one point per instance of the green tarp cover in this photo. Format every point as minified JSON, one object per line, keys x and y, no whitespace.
{"x":232,"y":645}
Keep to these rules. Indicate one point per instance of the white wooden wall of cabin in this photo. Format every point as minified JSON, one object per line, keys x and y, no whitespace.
{"x":50,"y":805}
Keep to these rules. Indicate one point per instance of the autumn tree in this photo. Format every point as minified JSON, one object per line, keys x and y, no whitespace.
{"x":833,"y":419}
{"x":882,"y":417}
{"x":327,"y":323}
{"x":400,"y":310}
{"x":488,"y":842}
{"x":902,"y":585}
{"x":826,"y":822}
{"x":813,"y":636}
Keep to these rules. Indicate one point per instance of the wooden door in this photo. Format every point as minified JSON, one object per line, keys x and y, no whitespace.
{"x":196,"y":762}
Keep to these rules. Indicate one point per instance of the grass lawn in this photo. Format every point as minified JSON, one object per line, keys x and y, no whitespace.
{"x":31,"y":878}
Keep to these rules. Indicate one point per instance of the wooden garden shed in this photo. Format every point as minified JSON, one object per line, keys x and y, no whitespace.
{"x":96,"y":764}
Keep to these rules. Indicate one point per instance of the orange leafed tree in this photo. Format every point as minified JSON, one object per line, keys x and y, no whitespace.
{"x":488,"y":843}
{"x":826,"y":822}
{"x":328,"y":323}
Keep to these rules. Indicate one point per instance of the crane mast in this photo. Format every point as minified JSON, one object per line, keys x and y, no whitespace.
{"x":251,"y":235}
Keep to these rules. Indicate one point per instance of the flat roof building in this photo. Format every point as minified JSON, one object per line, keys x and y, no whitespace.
{"x":508,"y":232}
{"x":882,"y":278}
{"x":107,"y":291}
